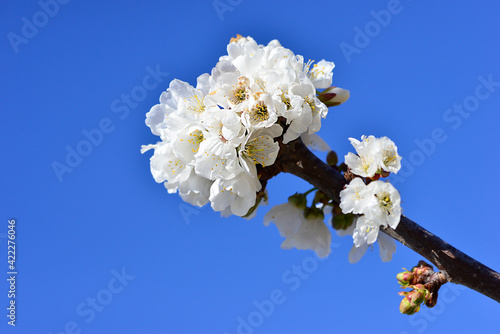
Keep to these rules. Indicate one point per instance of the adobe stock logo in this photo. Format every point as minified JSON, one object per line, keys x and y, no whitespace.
{"x":29,"y":29}
{"x":363,"y":37}
{"x":292,"y":278}
{"x":454,"y":117}
{"x":222,"y":6}
{"x":95,"y":304}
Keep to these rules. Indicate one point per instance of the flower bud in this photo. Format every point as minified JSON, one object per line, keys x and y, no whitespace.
{"x":419,"y":295}
{"x":298,"y":200}
{"x":419,"y":270}
{"x":407,"y":307}
{"x":342,"y":167}
{"x":385,"y":173}
{"x":314,"y":213}
{"x":404,"y":278}
{"x":333,"y":96}
{"x":332,"y":159}
{"x":342,"y":221}
{"x":336,"y":210}
{"x":321,"y":197}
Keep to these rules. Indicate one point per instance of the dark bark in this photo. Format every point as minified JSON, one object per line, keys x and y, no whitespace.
{"x":457,"y":267}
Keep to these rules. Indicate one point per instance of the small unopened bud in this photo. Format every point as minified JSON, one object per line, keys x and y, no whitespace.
{"x":419,"y":295}
{"x":404,"y":278}
{"x":333,"y":96}
{"x":298,"y":200}
{"x":385,"y":174}
{"x":342,"y":221}
{"x":342,"y":167}
{"x":407,"y":307}
{"x":332,"y":159}
{"x":314,"y":213}
{"x":321,"y":197}
{"x":420,"y":270}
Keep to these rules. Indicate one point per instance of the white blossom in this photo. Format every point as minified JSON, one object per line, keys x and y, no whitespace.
{"x":238,"y":194}
{"x":390,"y":160}
{"x":320,"y":74}
{"x":355,"y":197}
{"x":365,"y":232}
{"x":166,"y":166}
{"x":387,"y":246}
{"x":216,"y":158}
{"x":258,"y":111}
{"x":386,"y":209}
{"x":300,"y":232}
{"x":287,"y":217}
{"x":374,"y":155}
{"x":312,"y":234}
{"x":379,"y":204}
{"x":259,"y":148}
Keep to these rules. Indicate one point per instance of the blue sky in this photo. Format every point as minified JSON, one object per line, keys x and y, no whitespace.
{"x":102,"y":248}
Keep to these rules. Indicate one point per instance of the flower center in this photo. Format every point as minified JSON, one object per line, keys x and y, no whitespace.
{"x":286,"y":101}
{"x":238,"y":95}
{"x":385,"y":202}
{"x":311,"y":104}
{"x":260,"y":112}
{"x":195,"y":104}
{"x":390,"y":156}
{"x":316,"y":71}
{"x":253,"y":151}
{"x":365,"y":163}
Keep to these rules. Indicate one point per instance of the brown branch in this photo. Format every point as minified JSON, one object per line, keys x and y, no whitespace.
{"x":457,"y":267}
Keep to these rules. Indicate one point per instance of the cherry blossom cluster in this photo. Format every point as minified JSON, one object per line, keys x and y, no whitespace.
{"x":377,"y":203}
{"x":215,"y":135}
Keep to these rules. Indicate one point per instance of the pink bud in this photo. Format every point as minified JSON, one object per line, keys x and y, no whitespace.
{"x":334,"y":96}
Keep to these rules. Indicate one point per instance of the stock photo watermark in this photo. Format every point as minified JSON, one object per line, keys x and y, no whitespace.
{"x":11,"y":272}
{"x":223,"y":6}
{"x":454,"y":118}
{"x":187,"y":211}
{"x":31,"y":26}
{"x":364,"y":36}
{"x":292,"y":278}
{"x":88,"y":310}
{"x":121,"y":108}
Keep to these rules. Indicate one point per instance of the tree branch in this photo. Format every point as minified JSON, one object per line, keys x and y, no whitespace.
{"x":295,"y":158}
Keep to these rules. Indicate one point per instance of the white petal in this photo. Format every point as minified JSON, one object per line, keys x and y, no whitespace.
{"x":155,"y":118}
{"x":315,"y":142}
{"x":287,"y":218}
{"x":387,"y":247}
{"x":313,"y":234}
{"x":356,"y":253}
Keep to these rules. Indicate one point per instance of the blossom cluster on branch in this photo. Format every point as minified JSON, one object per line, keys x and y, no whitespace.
{"x":377,"y":203}
{"x":217,"y":135}
{"x":213,"y":136}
